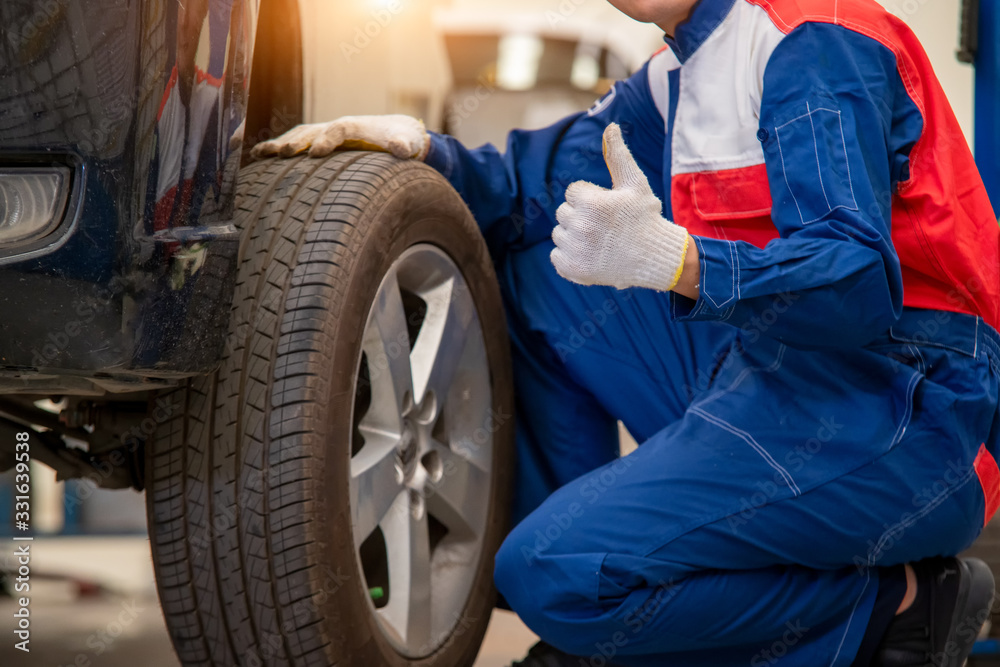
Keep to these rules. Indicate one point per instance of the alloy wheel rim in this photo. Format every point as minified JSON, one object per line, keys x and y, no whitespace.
{"x":421,"y":450}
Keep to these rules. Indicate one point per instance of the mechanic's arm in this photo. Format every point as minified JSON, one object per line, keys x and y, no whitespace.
{"x":831,"y":150}
{"x":495,"y":185}
{"x":833,"y":278}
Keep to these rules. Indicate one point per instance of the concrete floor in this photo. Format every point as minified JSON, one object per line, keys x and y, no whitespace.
{"x":123,"y":627}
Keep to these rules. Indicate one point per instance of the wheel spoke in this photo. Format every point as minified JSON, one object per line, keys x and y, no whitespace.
{"x":460,"y":499}
{"x":438,"y":349}
{"x":387,"y":344}
{"x":408,"y":547}
{"x":374,"y":483}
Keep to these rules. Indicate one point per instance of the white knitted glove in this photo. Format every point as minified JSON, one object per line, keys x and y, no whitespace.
{"x":403,"y":136}
{"x":617,"y":237}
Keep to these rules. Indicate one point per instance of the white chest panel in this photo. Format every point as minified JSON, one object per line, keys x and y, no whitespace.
{"x":721,"y":84}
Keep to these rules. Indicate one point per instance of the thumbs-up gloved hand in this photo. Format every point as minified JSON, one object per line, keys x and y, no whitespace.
{"x":617,"y":237}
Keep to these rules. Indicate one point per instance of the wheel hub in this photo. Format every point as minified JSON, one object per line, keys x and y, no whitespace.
{"x":406,"y":452}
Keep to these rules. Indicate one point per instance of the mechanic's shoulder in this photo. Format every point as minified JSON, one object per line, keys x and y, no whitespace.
{"x":864,"y":16}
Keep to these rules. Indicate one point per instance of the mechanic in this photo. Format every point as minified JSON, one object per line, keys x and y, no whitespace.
{"x":784,"y":282}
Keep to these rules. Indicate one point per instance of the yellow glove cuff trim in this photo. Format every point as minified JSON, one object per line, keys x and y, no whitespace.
{"x":680,"y":269}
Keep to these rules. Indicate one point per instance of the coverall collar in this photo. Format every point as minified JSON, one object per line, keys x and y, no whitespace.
{"x":705,"y":17}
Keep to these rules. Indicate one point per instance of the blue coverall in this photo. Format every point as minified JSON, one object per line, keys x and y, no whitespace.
{"x":794,"y":439}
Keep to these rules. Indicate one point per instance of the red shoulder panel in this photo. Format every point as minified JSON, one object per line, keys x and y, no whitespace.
{"x":943,"y":225}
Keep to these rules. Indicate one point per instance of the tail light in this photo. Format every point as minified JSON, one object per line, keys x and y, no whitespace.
{"x":32,"y":202}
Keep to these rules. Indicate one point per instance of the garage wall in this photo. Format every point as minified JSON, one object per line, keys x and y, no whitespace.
{"x":373,"y":57}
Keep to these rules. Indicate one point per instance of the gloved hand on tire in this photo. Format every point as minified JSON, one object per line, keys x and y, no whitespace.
{"x":403,"y":136}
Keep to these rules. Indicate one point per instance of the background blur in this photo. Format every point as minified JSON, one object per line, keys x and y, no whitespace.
{"x":474,"y":68}
{"x":433,"y":54}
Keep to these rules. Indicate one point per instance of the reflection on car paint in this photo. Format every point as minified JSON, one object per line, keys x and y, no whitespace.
{"x":145,"y":99}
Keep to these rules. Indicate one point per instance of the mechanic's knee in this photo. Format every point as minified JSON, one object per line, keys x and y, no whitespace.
{"x":550,"y":590}
{"x":512,"y":568}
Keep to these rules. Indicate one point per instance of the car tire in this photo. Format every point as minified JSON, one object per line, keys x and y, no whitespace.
{"x":259,"y":488}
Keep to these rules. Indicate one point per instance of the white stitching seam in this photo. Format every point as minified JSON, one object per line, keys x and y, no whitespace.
{"x":847,"y":161}
{"x":747,"y":438}
{"x":806,"y":115}
{"x":704,"y":284}
{"x":784,"y":173}
{"x":850,"y":620}
{"x":908,"y":413}
{"x":912,"y":519}
{"x":819,"y":168}
{"x":921,"y":363}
